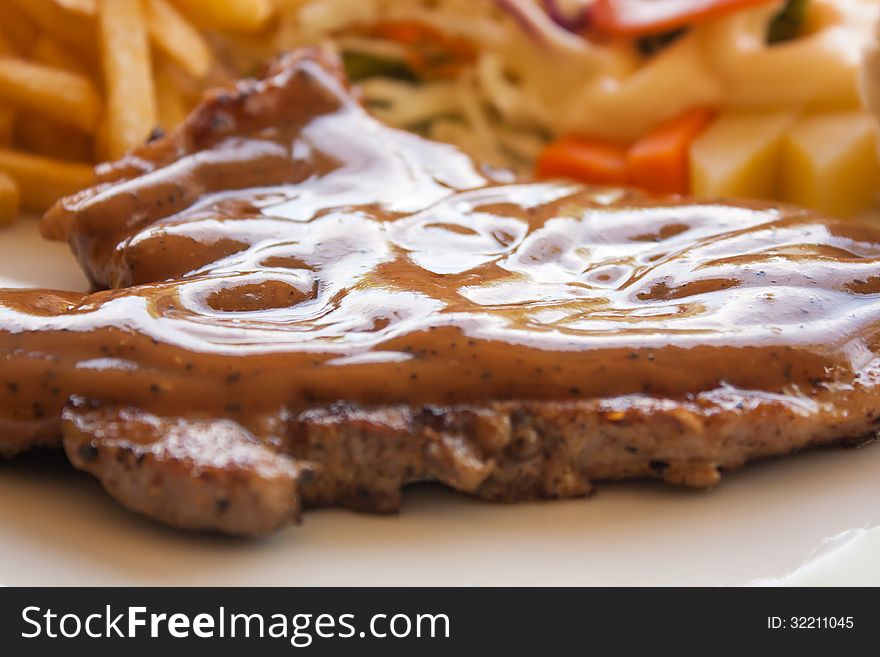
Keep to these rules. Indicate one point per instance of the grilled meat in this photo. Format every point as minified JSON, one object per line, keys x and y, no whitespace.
{"x":298,"y":306}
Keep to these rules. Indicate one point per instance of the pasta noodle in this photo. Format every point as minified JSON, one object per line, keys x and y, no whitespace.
{"x":818,"y":69}
{"x":624,"y":108}
{"x":535,"y":80}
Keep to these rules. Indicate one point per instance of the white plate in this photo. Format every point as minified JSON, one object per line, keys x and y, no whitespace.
{"x":58,"y":528}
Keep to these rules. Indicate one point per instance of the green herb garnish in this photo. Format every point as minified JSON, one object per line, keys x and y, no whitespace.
{"x":360,"y":66}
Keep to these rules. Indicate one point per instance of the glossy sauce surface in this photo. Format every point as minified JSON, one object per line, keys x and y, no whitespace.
{"x":303,"y":253}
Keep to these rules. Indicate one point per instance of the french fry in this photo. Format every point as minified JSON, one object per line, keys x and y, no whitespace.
{"x":101,"y":151}
{"x":7,"y":123}
{"x":85,"y":7}
{"x":19,"y":31}
{"x":231,"y":15}
{"x":171,"y":104}
{"x":9,"y":200}
{"x":128,"y":77}
{"x":188,"y":88}
{"x":6,"y":48}
{"x":177,"y":38}
{"x":79,"y":82}
{"x":44,"y":136}
{"x":72,"y":28}
{"x":64,"y":96}
{"x":51,"y":53}
{"x":42,"y":181}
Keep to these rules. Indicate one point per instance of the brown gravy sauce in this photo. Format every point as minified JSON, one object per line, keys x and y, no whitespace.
{"x":326,"y":258}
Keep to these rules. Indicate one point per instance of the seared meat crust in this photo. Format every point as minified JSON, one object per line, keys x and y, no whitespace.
{"x":214,"y":475}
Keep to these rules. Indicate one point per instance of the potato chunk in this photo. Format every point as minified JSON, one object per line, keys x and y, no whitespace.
{"x":739,"y":155}
{"x":830,"y":163}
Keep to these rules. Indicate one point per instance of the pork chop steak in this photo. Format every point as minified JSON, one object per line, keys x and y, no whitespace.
{"x":302,"y":307}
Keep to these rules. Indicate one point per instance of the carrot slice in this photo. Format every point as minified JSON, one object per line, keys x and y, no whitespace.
{"x":431,"y":53}
{"x":660,"y":161}
{"x":587,"y":160}
{"x":640,"y":17}
{"x":406,"y":32}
